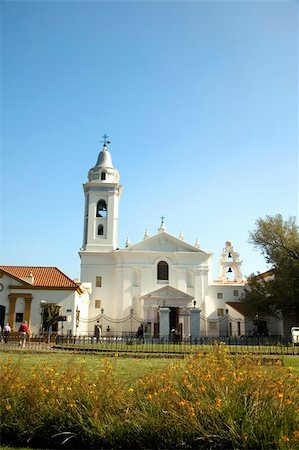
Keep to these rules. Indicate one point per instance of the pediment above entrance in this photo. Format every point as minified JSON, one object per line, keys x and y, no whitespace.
{"x":168,"y":293}
{"x":164,"y":242}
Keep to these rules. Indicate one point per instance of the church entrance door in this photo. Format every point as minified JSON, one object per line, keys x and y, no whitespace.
{"x":174,"y":323}
{"x":2,"y":316}
{"x":173,"y":318}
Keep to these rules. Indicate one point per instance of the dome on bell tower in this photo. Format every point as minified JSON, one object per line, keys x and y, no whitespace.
{"x":104,"y":159}
{"x":104,"y":171}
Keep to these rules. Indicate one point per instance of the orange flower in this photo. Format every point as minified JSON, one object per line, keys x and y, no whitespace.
{"x":279,"y":394}
{"x":191,"y":411}
{"x":218,"y":402}
{"x":296,"y":434}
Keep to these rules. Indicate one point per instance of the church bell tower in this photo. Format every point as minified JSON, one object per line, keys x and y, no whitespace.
{"x":102,"y":194}
{"x":230,"y":264}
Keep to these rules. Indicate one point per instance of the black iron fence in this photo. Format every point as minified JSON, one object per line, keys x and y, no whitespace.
{"x":130,"y":344}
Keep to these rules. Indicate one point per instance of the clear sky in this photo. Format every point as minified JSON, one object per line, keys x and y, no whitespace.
{"x":199,"y":100}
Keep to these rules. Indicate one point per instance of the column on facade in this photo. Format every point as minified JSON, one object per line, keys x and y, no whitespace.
{"x":164,"y":322}
{"x":199,"y":295}
{"x":123,"y":296}
{"x":146,"y":279}
{"x":146,"y":276}
{"x":127,"y":289}
{"x":186,"y":325}
{"x":181,"y":279}
{"x":195,"y":324}
{"x":28,"y":300}
{"x":12,"y":307}
{"x":117,"y":312}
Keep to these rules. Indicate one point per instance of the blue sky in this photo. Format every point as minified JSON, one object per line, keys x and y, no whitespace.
{"x":199,"y":100}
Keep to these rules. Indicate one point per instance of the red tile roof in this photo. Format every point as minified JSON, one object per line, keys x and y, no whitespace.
{"x":238,"y":306}
{"x":267,"y":274}
{"x":44,"y":277}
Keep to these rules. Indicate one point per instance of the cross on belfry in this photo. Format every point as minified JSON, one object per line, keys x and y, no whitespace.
{"x":105,"y":139}
{"x":162,"y":218}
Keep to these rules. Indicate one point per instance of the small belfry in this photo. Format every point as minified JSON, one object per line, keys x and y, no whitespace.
{"x":102,"y":194}
{"x":230,"y":264}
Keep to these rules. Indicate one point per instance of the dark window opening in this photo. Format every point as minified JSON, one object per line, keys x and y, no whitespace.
{"x":100,"y":230}
{"x":19,"y":317}
{"x":103,"y":176}
{"x":101,"y":208}
{"x":162,"y":271}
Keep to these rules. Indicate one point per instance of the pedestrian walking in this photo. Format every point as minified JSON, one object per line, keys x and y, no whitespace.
{"x":23,"y":330}
{"x":6,"y":332}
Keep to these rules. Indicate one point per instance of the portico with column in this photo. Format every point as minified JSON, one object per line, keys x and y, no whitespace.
{"x":13,"y":297}
{"x":164,"y":322}
{"x":195,"y":324}
{"x":168,"y":298}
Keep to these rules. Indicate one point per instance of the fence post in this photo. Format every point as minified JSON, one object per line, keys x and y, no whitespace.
{"x":195,"y":323}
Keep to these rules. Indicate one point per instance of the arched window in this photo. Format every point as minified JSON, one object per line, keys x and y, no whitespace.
{"x":100,"y":230}
{"x":162,"y":271}
{"x":103,"y":176}
{"x":101,"y":208}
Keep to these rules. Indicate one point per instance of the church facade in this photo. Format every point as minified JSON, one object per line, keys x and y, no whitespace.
{"x":162,"y":283}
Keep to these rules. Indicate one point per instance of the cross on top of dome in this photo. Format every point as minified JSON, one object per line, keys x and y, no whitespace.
{"x":105,"y":141}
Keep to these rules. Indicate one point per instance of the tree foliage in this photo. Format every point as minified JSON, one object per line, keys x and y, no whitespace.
{"x":278,"y":291}
{"x":50,"y":316}
{"x":277,"y":239}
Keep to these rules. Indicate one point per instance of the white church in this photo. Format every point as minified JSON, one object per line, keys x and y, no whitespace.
{"x":161,"y":283}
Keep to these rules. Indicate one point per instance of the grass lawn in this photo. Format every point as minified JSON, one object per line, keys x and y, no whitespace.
{"x":125,"y":370}
{"x":291,"y":361}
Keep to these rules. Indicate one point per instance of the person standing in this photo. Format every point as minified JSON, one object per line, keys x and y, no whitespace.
{"x":6,"y":332}
{"x":98,"y":333}
{"x":23,"y":333}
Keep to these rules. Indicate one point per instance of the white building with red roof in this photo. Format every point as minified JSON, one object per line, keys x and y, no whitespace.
{"x":28,"y":293}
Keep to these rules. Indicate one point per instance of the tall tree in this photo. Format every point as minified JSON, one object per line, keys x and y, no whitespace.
{"x":50,"y":316}
{"x":278,"y":241}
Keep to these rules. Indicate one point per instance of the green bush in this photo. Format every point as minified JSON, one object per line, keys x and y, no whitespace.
{"x":202,"y":401}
